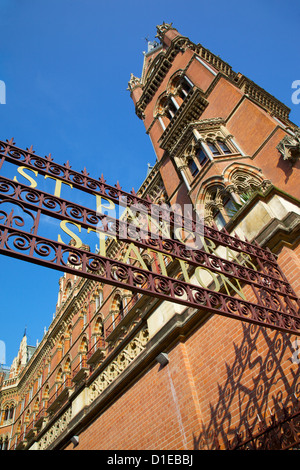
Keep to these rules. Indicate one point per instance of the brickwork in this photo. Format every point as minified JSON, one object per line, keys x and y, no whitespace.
{"x":224,"y":376}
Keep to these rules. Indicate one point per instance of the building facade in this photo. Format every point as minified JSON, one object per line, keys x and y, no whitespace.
{"x":122,"y":370}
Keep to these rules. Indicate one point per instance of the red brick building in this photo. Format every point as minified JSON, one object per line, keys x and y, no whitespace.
{"x":226,"y":148}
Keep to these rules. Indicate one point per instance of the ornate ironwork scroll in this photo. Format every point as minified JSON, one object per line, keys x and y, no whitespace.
{"x":40,"y":202}
{"x":277,"y":305}
{"x":38,"y":250}
{"x":82,"y":181}
{"x":282,"y":432}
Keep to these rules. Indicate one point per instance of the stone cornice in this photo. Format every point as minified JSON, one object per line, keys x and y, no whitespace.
{"x":263,"y":98}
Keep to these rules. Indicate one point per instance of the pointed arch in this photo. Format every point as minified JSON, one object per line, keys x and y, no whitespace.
{"x":240,"y":178}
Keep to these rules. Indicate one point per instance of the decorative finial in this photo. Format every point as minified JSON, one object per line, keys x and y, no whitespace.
{"x":30,"y":149}
{"x":133,"y":82}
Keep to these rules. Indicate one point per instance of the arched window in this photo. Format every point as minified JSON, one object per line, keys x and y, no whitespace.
{"x":195,"y":158}
{"x":4,"y":443}
{"x":117,"y":309}
{"x":219,"y":206}
{"x":69,"y":335}
{"x":36,"y":405}
{"x":214,"y":150}
{"x":117,"y":304}
{"x":99,"y":299}
{"x":61,"y":344}
{"x":193,"y":167}
{"x":6,"y":413}
{"x":177,"y":90}
{"x":201,"y":156}
{"x":46,"y":393}
{"x":68,"y":289}
{"x":223,"y":146}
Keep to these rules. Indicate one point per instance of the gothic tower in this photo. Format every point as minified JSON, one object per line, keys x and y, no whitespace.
{"x":217,"y":135}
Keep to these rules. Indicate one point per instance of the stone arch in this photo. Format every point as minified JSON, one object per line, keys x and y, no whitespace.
{"x":216,"y":203}
{"x":241,"y":178}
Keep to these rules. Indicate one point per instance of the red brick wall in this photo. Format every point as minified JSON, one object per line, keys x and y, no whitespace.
{"x":226,"y":377}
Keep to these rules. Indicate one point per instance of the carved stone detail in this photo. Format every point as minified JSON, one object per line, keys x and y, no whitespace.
{"x":55,"y":430}
{"x":289,"y":147}
{"x":119,"y":364}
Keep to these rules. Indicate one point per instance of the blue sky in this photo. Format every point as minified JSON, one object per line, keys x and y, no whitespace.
{"x":66,"y":65}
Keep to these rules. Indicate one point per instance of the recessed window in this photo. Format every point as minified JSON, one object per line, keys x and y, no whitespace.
{"x":214,"y":150}
{"x":201,"y":156}
{"x":219,"y":206}
{"x":184,"y":88}
{"x":196,"y":161}
{"x":223,"y":147}
{"x":193,"y":167}
{"x":218,"y":147}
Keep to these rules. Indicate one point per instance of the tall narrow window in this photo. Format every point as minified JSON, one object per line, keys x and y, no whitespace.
{"x":6,"y":414}
{"x":5,"y":444}
{"x":214,"y":150}
{"x":201,"y":156}
{"x":219,"y":206}
{"x":11,"y":412}
{"x":193,"y":167}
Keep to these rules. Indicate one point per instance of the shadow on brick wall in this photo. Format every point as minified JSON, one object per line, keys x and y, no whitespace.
{"x":262,"y":385}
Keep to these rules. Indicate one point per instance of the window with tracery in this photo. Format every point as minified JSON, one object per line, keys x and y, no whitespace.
{"x":209,"y":140}
{"x":195,"y":158}
{"x":219,"y":206}
{"x":4,"y":443}
{"x":168,"y":105}
{"x":99,"y":299}
{"x":220,"y":203}
{"x":7,"y":413}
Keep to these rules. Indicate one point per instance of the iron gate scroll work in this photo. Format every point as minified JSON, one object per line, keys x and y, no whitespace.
{"x":276,"y":305}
